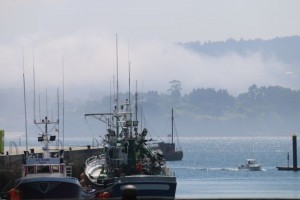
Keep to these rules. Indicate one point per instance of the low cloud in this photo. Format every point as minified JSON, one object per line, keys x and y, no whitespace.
{"x":89,"y":60}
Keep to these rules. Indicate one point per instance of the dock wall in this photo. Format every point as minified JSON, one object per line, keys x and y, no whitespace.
{"x":11,"y":165}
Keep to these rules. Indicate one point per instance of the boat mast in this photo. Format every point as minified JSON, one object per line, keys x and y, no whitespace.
{"x":172,"y":124}
{"x":117,"y":99}
{"x":136,"y":102}
{"x":63,"y":102}
{"x":24,"y":92}
{"x":58,"y":127}
{"x":34,"y":96}
{"x":129,"y":93}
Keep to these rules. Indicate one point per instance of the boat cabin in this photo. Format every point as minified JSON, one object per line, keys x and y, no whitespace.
{"x":33,"y":164}
{"x":43,"y":166}
{"x":251,"y":161}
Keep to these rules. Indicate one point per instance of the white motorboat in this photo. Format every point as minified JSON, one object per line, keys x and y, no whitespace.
{"x":251,"y":165}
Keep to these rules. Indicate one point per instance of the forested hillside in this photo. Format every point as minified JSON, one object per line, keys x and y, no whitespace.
{"x":271,"y":110}
{"x":286,"y":49}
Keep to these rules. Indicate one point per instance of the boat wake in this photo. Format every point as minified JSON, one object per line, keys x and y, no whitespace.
{"x":218,"y":169}
{"x":206,"y":169}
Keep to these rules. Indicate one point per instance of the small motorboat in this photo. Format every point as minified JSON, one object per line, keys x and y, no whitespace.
{"x":251,"y":165}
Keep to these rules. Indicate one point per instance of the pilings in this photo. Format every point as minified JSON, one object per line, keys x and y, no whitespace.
{"x":295,"y":164}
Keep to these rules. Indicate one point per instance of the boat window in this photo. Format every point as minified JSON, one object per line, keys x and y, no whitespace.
{"x":43,"y":169}
{"x":30,"y":169}
{"x":55,"y":169}
{"x":61,"y":168}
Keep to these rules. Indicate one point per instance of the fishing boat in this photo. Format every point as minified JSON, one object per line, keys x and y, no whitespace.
{"x":127,"y":160}
{"x":169,"y":149}
{"x":45,"y":175}
{"x":251,"y":165}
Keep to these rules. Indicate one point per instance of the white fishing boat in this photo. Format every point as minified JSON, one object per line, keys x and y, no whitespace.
{"x":45,"y":175}
{"x":251,"y":165}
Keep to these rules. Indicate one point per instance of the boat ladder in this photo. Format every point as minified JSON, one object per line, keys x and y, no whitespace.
{"x":68,"y":171}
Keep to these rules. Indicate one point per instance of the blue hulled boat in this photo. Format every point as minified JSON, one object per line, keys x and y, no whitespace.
{"x":45,"y":175}
{"x":127,"y":160}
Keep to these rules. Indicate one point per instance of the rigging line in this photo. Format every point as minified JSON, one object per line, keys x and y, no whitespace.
{"x":167,"y":125}
{"x":40,"y":108}
{"x":145,"y":122}
{"x":58,"y":127}
{"x":46,"y":103}
{"x":86,"y":121}
{"x":24,"y":88}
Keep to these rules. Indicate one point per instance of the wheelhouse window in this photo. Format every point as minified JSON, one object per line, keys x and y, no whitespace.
{"x":43,"y":169}
{"x":55,"y":168}
{"x":30,"y":170}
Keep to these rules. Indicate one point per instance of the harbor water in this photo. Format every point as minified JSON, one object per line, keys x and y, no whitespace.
{"x":209,"y":168}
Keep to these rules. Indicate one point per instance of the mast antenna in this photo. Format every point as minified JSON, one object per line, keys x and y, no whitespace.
{"x":24,"y":90}
{"x":34,"y":95}
{"x":129,"y":77}
{"x":46,"y":102}
{"x":129,"y":93}
{"x":63,"y":101}
{"x":117,"y":109}
{"x":172,"y":125}
{"x":136,"y":101}
{"x":58,"y":127}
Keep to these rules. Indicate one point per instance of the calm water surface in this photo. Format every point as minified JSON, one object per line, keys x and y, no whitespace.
{"x":209,"y":167}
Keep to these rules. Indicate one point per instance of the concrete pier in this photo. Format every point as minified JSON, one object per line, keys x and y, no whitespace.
{"x":295,"y":162}
{"x":11,"y":165}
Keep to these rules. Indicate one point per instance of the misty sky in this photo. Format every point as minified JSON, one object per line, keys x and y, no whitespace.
{"x":82,"y":33}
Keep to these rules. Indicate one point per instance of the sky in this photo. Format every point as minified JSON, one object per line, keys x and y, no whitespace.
{"x":78,"y":39}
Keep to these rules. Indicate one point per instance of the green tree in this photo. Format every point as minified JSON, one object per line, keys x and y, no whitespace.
{"x":175,"y":89}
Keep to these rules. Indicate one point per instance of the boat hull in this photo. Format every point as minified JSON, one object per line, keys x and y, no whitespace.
{"x":52,"y":188}
{"x":147,"y":187}
{"x":169,"y":151}
{"x":256,"y":168}
{"x":173,"y":156}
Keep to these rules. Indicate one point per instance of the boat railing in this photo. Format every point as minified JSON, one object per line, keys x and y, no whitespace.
{"x":90,"y":160}
{"x":94,"y":163}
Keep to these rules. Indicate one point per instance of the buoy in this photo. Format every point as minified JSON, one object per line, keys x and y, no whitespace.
{"x":14,"y":194}
{"x":139,"y":166}
{"x":129,"y":192}
{"x":105,"y":195}
{"x":99,"y":195}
